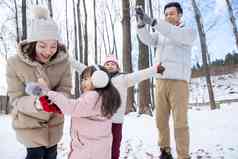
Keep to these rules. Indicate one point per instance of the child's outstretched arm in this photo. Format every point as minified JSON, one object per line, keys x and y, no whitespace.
{"x":51,"y":101}
{"x":136,"y":77}
{"x":78,"y":66}
{"x":81,"y":107}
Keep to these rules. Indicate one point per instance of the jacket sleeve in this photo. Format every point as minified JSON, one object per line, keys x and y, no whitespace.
{"x":182,"y":35}
{"x":65,"y":84}
{"x":18,"y":99}
{"x":78,"y":66}
{"x":136,"y":77}
{"x":150,"y":39}
{"x":81,"y":107}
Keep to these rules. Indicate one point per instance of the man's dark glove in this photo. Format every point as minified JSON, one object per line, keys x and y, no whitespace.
{"x":160,"y":68}
{"x":143,"y":18}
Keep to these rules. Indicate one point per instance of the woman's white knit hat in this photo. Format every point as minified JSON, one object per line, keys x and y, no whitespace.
{"x":42,"y":27}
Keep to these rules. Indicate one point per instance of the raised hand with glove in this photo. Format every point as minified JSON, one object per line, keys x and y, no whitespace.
{"x":41,"y":99}
{"x":143,"y":18}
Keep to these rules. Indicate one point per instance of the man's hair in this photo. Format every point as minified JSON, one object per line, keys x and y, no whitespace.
{"x":174,"y":4}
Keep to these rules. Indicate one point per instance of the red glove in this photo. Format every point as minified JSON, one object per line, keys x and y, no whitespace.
{"x":160,"y":68}
{"x":48,"y":106}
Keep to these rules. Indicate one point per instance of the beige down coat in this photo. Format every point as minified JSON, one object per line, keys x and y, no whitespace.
{"x":36,"y":128}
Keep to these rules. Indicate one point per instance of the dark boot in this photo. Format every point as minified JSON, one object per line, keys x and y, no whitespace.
{"x":165,"y":153}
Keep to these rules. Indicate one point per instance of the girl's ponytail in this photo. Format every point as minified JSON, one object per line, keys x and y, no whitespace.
{"x":111,"y":100}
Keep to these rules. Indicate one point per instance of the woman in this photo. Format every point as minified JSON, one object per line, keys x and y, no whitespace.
{"x":40,"y":57}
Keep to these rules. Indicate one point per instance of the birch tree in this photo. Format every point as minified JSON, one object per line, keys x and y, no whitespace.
{"x":16,"y":22}
{"x":203,"y":42}
{"x":50,"y":8}
{"x":85,"y":34}
{"x":66,"y":24}
{"x":76,"y":80}
{"x":80,"y":39}
{"x":95,"y":32}
{"x":233,"y":21}
{"x":24,"y":21}
{"x":126,"y":49}
{"x":144,"y":86}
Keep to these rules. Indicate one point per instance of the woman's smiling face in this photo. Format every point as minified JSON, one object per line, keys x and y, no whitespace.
{"x":45,"y":50}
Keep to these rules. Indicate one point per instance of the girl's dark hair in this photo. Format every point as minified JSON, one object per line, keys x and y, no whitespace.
{"x":174,"y":4}
{"x":30,"y":50}
{"x":111,"y":99}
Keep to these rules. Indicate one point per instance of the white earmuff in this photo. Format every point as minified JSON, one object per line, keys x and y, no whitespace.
{"x":100,"y":79}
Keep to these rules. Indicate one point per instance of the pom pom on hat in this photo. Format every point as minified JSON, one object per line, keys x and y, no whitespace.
{"x":40,"y":12}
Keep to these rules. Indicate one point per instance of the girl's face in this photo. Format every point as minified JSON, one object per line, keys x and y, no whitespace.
{"x":86,"y":83}
{"x":45,"y":50}
{"x":111,"y":67}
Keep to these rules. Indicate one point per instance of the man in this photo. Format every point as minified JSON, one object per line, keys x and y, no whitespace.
{"x":174,"y":43}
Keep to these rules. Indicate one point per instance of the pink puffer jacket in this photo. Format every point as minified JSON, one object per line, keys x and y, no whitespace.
{"x":90,"y":131}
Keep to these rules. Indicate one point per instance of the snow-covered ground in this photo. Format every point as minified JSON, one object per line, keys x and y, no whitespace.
{"x":225,"y":87}
{"x":213,"y":134}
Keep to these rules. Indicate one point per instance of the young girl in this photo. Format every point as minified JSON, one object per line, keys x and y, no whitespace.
{"x":91,"y":115}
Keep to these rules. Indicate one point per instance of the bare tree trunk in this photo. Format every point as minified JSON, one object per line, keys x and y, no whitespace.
{"x":4,"y":46}
{"x":126,"y":26}
{"x":24,"y":22}
{"x":108,"y":39}
{"x":204,"y":49}
{"x":85,"y":34}
{"x":37,"y":2}
{"x":50,"y":8}
{"x":8,"y":106}
{"x":75,"y":32}
{"x":66,"y":23}
{"x":144,"y":86}
{"x":113,"y":33}
{"x":100,"y":55}
{"x":95,"y":32}
{"x":76,"y":89}
{"x":104,"y":42}
{"x":151,"y":61}
{"x":80,"y":41}
{"x":233,"y":21}
{"x":151,"y":11}
{"x":16,"y":20}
